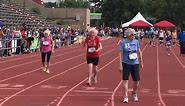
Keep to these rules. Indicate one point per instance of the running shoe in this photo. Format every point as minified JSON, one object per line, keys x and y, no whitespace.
{"x":135,"y":97}
{"x":44,"y":69}
{"x":47,"y":71}
{"x":125,"y":100}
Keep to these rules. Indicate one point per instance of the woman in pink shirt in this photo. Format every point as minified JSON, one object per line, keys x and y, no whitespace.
{"x":46,"y":48}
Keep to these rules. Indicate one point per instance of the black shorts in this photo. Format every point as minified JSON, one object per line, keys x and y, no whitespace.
{"x":133,"y":69}
{"x":92,"y":60}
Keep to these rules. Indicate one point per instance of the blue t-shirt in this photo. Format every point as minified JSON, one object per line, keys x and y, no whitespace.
{"x":181,"y":36}
{"x":127,"y":47}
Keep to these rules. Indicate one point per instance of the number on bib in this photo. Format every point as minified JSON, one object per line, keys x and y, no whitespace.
{"x":45,"y":43}
{"x":91,"y":50}
{"x":133,"y":56}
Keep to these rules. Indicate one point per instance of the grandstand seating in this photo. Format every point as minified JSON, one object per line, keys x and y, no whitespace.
{"x":14,"y":15}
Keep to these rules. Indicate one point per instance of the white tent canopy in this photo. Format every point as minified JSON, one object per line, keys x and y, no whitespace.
{"x":136,"y":18}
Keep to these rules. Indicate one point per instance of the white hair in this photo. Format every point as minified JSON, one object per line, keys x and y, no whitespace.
{"x":48,"y":32}
{"x":93,"y":30}
{"x":129,"y":31}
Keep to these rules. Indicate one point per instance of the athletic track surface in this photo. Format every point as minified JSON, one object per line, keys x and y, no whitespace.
{"x":23,"y":83}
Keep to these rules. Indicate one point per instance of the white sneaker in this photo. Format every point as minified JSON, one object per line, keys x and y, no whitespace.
{"x":44,"y":69}
{"x":125,"y":99}
{"x":135,"y":97}
{"x":47,"y":71}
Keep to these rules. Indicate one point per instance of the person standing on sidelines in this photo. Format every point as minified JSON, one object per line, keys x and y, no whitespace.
{"x":181,"y":38}
{"x":130,"y":58}
{"x":93,"y":44}
{"x":46,"y":48}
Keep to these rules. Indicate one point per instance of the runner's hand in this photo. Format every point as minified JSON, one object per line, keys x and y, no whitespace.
{"x":120,"y":69}
{"x":141,"y":64}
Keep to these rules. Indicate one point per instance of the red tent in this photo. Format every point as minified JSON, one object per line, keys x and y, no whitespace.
{"x":140,"y":24}
{"x":164,"y":24}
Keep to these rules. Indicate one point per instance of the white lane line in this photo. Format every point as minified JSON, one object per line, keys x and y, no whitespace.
{"x":158,"y":80}
{"x":28,"y":56}
{"x":183,"y":66}
{"x":38,"y":60}
{"x":84,"y":91}
{"x":41,"y":67}
{"x":61,"y":100}
{"x":50,"y":78}
{"x":114,"y":92}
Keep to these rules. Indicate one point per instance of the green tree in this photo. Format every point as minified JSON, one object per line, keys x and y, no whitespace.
{"x":74,"y":4}
{"x":114,"y":13}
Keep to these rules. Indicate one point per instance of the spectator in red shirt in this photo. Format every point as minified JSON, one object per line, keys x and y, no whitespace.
{"x":93,"y":45}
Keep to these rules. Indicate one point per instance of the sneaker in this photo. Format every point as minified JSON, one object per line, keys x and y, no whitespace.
{"x":135,"y":97}
{"x":89,"y":83}
{"x":125,"y":99}
{"x":47,"y":71}
{"x":44,"y":69}
{"x":168,"y":54}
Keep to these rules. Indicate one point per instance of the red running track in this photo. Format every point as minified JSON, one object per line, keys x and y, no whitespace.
{"x":23,"y":83}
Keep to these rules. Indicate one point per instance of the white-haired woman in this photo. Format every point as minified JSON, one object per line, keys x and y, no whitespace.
{"x":93,"y":44}
{"x":46,"y":48}
{"x":130,"y":58}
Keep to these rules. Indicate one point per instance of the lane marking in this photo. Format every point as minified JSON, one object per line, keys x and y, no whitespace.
{"x":38,"y":60}
{"x":52,"y":78}
{"x":83,"y":91}
{"x":183,"y":66}
{"x":95,"y":88}
{"x":10,"y":88}
{"x":176,"y":91}
{"x":50,"y":66}
{"x":52,"y":86}
{"x":4,"y":85}
{"x":32,"y":55}
{"x":114,"y":92}
{"x":158,"y":80}
{"x":61,"y":100}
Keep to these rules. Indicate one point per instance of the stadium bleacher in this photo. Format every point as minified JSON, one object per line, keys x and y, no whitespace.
{"x":14,"y":15}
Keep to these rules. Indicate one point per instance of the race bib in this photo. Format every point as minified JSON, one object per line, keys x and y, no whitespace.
{"x":133,"y":56}
{"x":91,"y":49}
{"x":45,"y":43}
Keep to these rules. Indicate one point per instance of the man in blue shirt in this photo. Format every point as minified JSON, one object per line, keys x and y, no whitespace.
{"x":181,"y":38}
{"x":130,"y":59}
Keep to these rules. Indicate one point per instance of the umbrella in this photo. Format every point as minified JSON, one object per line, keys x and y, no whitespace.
{"x":140,"y":24}
{"x":164,"y":24}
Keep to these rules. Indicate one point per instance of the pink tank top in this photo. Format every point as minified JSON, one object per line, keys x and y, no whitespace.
{"x":46,"y":44}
